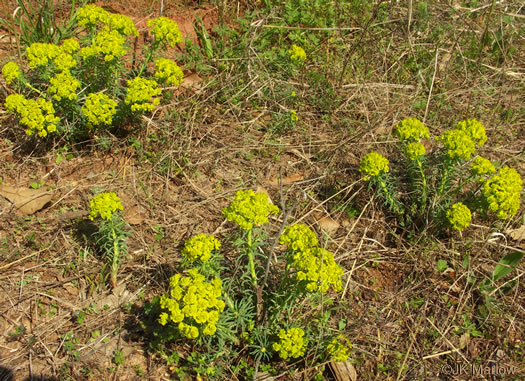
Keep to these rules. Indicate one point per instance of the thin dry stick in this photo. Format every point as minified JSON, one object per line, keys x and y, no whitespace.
{"x":431,"y":85}
{"x":409,"y":16}
{"x":457,"y":350}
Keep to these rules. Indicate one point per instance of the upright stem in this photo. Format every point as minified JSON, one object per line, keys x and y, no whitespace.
{"x":151,"y":50}
{"x":393,"y":203}
{"x":444,"y":179}
{"x":27,"y":84}
{"x":251,"y":258}
{"x":115,"y":257}
{"x":424,"y":182}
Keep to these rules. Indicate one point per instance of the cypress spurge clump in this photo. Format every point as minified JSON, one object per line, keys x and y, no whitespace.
{"x":235,"y":303}
{"x":91,"y":82}
{"x":112,"y":230}
{"x":446,"y":185}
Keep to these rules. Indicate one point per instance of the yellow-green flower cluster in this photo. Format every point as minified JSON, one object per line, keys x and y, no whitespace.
{"x":415,"y":150}
{"x":122,"y":24}
{"x":298,"y":237}
{"x":291,"y":344}
{"x":193,"y":303}
{"x":459,"y":216}
{"x":200,"y":247}
{"x":293,"y":116}
{"x":168,"y":71}
{"x":141,"y":93}
{"x":249,"y":209}
{"x":65,"y":61}
{"x":70,"y":46}
{"x":40,"y":54}
{"x":165,"y":29}
{"x":412,"y":129}
{"x":373,"y":164}
{"x":10,"y":72}
{"x":297,"y":53}
{"x":104,"y":205}
{"x":63,"y":86}
{"x":93,"y":15}
{"x":317,"y":267}
{"x":37,"y":115}
{"x":458,"y":144}
{"x":461,"y":142}
{"x":99,"y":109}
{"x":474,"y":129}
{"x":503,"y":192}
{"x":339,"y":348}
{"x":481,"y":166}
{"x":109,"y":43}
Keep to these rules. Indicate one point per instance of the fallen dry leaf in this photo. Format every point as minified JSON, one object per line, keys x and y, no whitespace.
{"x":192,"y":81}
{"x":328,"y":224}
{"x":134,"y":215}
{"x":287,"y":180}
{"x":517,"y":234}
{"x":343,"y":371}
{"x":26,"y":201}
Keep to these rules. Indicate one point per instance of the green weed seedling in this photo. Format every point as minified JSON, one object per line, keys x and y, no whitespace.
{"x":504,"y":267}
{"x":237,"y":303}
{"x":443,"y":186}
{"x":112,"y":230}
{"x":79,"y":85}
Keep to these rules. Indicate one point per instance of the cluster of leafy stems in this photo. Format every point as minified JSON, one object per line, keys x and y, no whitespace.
{"x":447,"y":184}
{"x":112,"y":231}
{"x":84,"y":84}
{"x":210,"y":302}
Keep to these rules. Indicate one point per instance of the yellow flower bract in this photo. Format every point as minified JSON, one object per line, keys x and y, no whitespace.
{"x":193,"y":303}
{"x":37,"y":115}
{"x":503,"y":192}
{"x":481,"y":166}
{"x":104,"y":205}
{"x":339,"y":348}
{"x":318,"y":268}
{"x":458,"y":144}
{"x":291,"y":344}
{"x":165,"y":29}
{"x":107,"y":43}
{"x":412,"y":129}
{"x":373,"y":164}
{"x":63,"y":86}
{"x":474,"y":129}
{"x":249,"y":209}
{"x":298,"y":237}
{"x":93,"y":15}
{"x":10,"y":72}
{"x":459,"y":216}
{"x":141,"y":94}
{"x":297,"y":53}
{"x":168,"y":71}
{"x":99,"y":109}
{"x":200,"y":247}
{"x":415,"y":150}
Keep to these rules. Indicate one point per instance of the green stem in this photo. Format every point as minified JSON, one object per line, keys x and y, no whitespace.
{"x":115,"y":257}
{"x":151,"y":50}
{"x":394,"y":205}
{"x":251,"y":258}
{"x":424,"y":182}
{"x":27,"y":84}
{"x":444,"y":179}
